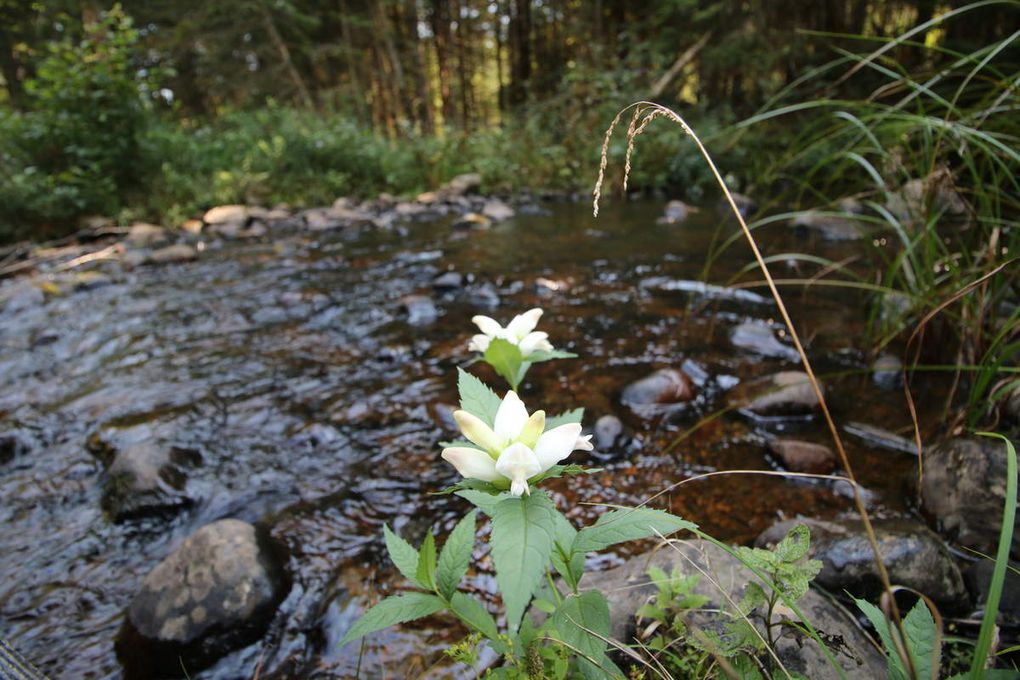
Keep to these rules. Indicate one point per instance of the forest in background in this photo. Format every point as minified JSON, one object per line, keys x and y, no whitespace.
{"x":158,"y":109}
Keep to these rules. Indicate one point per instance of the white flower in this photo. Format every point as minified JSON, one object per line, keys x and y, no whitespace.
{"x":516,"y":448}
{"x":520,"y":331}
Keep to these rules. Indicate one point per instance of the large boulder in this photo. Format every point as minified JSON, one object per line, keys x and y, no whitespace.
{"x":913,"y":556}
{"x":216,"y":592}
{"x":628,"y":587}
{"x":147,"y":478}
{"x":963,"y":490}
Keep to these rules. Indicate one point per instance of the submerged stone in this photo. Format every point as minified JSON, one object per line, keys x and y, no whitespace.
{"x":759,"y":338}
{"x":801,"y":456}
{"x":787,"y":393}
{"x":145,"y":479}
{"x":214,"y":593}
{"x":665,"y":386}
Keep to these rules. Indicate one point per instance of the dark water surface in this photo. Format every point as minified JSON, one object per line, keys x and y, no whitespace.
{"x":290,"y":367}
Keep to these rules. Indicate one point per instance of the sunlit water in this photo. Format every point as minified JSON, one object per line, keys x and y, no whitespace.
{"x":289,"y":365}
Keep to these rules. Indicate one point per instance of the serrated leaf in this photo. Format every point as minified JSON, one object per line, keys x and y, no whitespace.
{"x":506,"y":359}
{"x":474,"y":614}
{"x":881,"y":626}
{"x":794,"y":545}
{"x":538,"y":356}
{"x":522,"y":542}
{"x":569,"y":564}
{"x":425,"y":571}
{"x":473,"y":484}
{"x":619,"y":526}
{"x":391,"y":611}
{"x":476,"y":398}
{"x":456,"y":555}
{"x":567,"y":418}
{"x":483,"y":500}
{"x":403,"y":554}
{"x":582,"y":621}
{"x":564,"y":470}
{"x":920,"y":630}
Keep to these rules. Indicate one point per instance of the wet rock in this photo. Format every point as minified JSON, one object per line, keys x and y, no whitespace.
{"x":13,"y":444}
{"x":227,"y":214}
{"x":548,"y":287}
{"x":608,"y":432}
{"x":759,"y":338}
{"x":979,"y":580}
{"x":917,"y":198}
{"x":887,"y":372}
{"x":214,"y":593}
{"x":349,"y":215}
{"x":462,"y":184}
{"x":844,"y":488}
{"x":143,"y":235}
{"x":628,"y":586}
{"x":180,"y":252}
{"x":279,"y":213}
{"x":484,"y":295}
{"x":147,"y":478}
{"x":964,"y":490}
{"x":675,"y":212}
{"x":472,"y":220}
{"x":880,"y":437}
{"x":787,"y":393}
{"x":913,"y":556}
{"x":321,"y":219}
{"x":497,"y":211}
{"x":134,"y":258}
{"x":420,"y":309}
{"x":801,"y":456}
{"x":414,"y":211}
{"x":193,"y":227}
{"x":665,"y":386}
{"x":448,"y":281}
{"x":1011,"y":406}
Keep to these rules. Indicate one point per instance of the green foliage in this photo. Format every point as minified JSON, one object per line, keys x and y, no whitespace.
{"x":582,"y":622}
{"x":456,"y":555}
{"x":476,"y":398}
{"x":920,"y":640}
{"x":78,"y":148}
{"x":619,"y":526}
{"x":522,"y":544}
{"x":404,"y":556}
{"x":391,"y":611}
{"x":573,"y":416}
{"x":506,"y":359}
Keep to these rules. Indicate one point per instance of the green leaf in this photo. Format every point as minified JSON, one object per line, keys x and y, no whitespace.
{"x":579,"y":621}
{"x":474,"y":484}
{"x":483,"y":500}
{"x":474,"y":614}
{"x":569,"y":564}
{"x":572,"y":416}
{"x":458,"y":443}
{"x":619,"y":526}
{"x":426,"y":569}
{"x":522,"y":542}
{"x":878,"y":621}
{"x":404,"y":556}
{"x":794,"y":545}
{"x":561,"y":470}
{"x":538,"y":356}
{"x":391,"y":611}
{"x":456,"y":555}
{"x":921,"y":632}
{"x":505,"y":358}
{"x":476,"y":398}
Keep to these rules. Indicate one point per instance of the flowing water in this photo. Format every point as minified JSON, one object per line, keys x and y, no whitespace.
{"x":316,"y":408}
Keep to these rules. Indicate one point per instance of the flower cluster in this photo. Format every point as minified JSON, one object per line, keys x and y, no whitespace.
{"x":519,"y":332}
{"x":517,"y":448}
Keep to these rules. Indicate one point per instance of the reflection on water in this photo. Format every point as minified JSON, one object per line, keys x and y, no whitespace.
{"x":291,"y":369}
